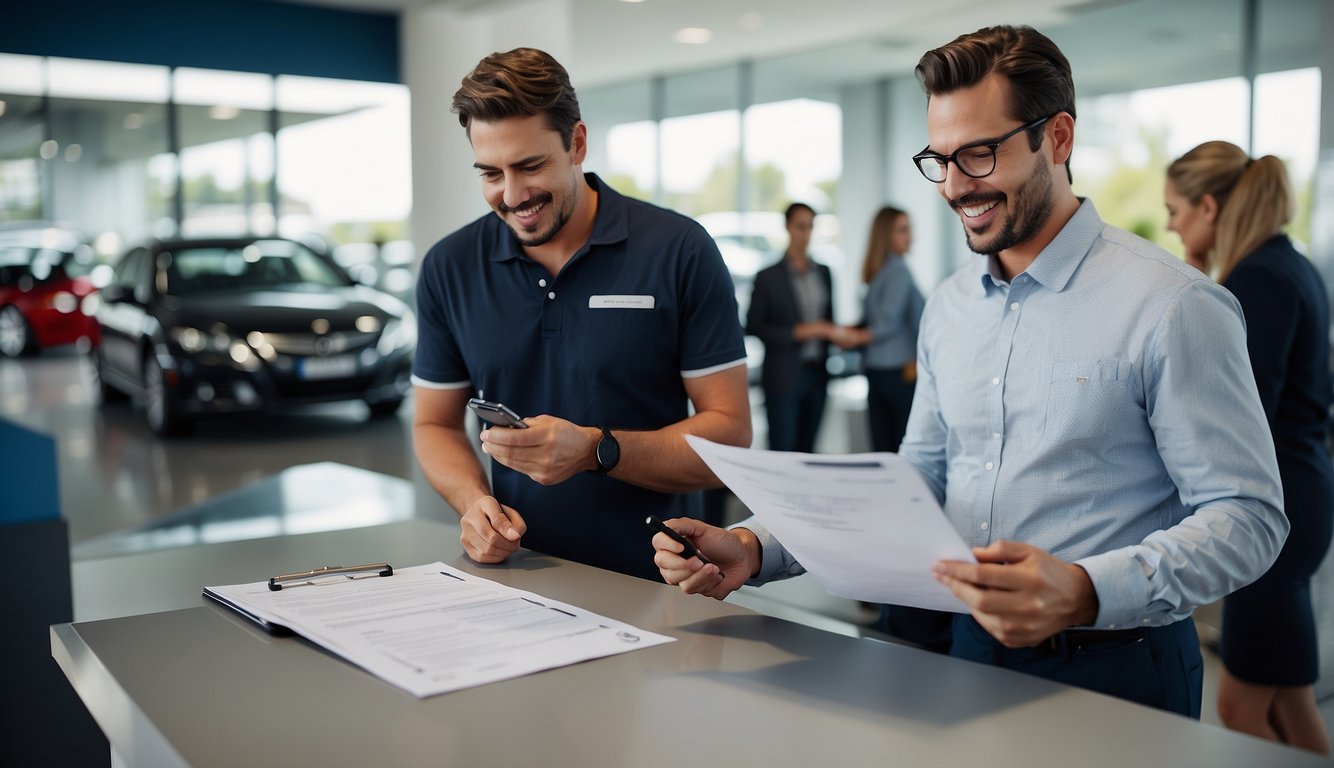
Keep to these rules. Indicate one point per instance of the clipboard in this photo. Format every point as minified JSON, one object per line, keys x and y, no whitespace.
{"x":311,"y":578}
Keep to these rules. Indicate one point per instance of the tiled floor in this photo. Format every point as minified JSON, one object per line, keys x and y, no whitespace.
{"x":115,"y":475}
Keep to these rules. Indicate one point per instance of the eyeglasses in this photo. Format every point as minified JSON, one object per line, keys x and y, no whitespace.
{"x":976,"y":160}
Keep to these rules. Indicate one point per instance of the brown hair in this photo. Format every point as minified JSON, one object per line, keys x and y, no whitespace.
{"x":520,"y":83}
{"x":877,"y":250}
{"x":1039,"y":74}
{"x":1254,"y":198}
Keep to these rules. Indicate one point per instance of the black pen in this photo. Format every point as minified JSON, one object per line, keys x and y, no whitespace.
{"x":688,"y":551}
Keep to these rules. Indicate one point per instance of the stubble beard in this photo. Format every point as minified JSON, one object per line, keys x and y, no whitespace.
{"x":1029,"y":208}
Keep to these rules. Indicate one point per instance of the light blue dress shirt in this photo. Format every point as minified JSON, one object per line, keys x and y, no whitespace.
{"x":1099,"y":406}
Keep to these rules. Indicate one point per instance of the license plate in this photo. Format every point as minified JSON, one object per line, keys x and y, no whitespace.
{"x":326,"y":367}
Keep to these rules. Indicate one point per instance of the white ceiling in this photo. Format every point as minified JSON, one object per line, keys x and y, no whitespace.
{"x":1113,"y":44}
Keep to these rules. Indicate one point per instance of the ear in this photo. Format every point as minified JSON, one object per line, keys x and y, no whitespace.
{"x":1062,"y":127}
{"x":579,"y":143}
{"x":1209,"y":207}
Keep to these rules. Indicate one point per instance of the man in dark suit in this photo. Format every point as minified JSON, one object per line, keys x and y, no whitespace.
{"x":792,"y":311}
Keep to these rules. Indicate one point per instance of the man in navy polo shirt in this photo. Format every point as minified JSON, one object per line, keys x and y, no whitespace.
{"x":599,"y":318}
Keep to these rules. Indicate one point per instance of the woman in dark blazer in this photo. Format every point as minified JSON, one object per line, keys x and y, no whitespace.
{"x":1229,"y":211}
{"x":791,"y":312}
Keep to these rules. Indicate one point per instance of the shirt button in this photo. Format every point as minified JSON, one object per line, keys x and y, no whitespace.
{"x":985,"y":526}
{"x":542,"y":283}
{"x":995,"y":381}
{"x":1014,"y":305}
{"x":996,"y":435}
{"x":551,"y":295}
{"x":989,"y":465}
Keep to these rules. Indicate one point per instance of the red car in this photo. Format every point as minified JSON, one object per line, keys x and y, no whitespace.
{"x":44,"y":283}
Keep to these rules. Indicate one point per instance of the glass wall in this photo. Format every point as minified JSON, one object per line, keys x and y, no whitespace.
{"x":226,"y":151}
{"x":122,"y":152}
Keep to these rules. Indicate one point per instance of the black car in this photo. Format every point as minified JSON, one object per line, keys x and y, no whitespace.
{"x":197,"y":327}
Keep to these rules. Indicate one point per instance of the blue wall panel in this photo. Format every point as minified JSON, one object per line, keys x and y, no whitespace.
{"x":241,"y":35}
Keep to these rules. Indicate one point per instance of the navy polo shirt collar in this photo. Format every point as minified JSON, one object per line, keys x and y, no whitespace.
{"x":610,"y":225}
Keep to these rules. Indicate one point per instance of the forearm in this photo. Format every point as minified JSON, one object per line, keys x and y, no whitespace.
{"x":450,"y":465}
{"x":1220,"y":548}
{"x":661,"y":459}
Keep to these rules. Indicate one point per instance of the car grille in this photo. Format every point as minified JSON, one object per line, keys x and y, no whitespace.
{"x":307,"y":344}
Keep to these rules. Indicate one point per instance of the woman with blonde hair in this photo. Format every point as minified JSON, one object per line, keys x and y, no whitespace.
{"x":1230,"y":210}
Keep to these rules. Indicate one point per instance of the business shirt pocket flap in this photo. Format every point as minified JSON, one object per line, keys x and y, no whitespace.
{"x":1107,"y":370}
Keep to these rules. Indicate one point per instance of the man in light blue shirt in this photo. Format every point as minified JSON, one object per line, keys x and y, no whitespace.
{"x":1085,"y":410}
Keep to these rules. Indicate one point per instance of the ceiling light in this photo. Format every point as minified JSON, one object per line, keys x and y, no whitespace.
{"x":133,"y":121}
{"x":693,"y":35}
{"x":223,"y":112}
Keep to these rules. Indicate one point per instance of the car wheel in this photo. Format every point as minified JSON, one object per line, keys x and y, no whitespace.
{"x":15,"y":335}
{"x":384,"y":408}
{"x":164,"y":414}
{"x":107,"y":392}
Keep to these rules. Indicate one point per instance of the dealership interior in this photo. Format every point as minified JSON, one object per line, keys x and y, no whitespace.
{"x":243,"y":134}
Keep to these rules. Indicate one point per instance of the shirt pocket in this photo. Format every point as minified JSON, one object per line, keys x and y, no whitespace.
{"x":1087,"y":400}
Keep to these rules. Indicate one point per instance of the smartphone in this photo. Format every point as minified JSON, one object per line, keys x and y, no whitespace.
{"x":497,"y":414}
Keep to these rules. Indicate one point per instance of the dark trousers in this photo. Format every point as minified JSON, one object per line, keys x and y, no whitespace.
{"x":794,"y":414}
{"x":888,"y":401}
{"x":1156,"y":666}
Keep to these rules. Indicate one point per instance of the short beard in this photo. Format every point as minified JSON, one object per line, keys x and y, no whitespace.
{"x":534,"y":239}
{"x":1030,"y":207}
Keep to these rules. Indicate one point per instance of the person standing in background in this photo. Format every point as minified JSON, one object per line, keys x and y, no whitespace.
{"x":893,"y":312}
{"x":791,"y":311}
{"x":1230,"y":211}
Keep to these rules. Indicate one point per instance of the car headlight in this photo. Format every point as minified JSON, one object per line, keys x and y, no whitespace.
{"x":398,"y":334}
{"x":192,"y":340}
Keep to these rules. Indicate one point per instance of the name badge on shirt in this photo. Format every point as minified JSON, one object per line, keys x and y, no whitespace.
{"x":620,"y":301}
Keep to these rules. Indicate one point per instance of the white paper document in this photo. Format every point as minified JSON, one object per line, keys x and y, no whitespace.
{"x":431,"y":629}
{"x":864,"y":525}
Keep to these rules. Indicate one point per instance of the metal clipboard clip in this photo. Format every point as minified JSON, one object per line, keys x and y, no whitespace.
{"x":382,"y":569}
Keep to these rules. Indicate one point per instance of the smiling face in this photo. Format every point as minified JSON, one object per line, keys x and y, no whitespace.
{"x":528,"y":177}
{"x":1011,"y":206}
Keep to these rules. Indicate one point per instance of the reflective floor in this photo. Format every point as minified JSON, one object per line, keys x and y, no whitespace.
{"x":115,"y":474}
{"x":117,"y":479}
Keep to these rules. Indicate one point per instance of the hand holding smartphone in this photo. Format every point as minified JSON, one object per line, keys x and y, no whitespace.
{"x":497,"y":414}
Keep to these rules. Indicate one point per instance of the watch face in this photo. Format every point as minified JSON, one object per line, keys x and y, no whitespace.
{"x":609,"y":452}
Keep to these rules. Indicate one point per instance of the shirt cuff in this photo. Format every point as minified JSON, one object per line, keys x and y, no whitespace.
{"x":1123,"y":589}
{"x":775,"y":561}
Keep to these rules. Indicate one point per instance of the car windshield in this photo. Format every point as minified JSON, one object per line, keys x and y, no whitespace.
{"x":258,"y":265}
{"x":41,"y":264}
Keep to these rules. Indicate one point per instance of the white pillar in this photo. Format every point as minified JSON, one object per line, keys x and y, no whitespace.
{"x":439,"y":47}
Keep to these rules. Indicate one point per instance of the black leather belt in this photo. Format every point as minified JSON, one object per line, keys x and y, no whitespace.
{"x":1078,"y":639}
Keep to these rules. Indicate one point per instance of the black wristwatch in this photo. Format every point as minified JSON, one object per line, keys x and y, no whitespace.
{"x":608,"y":452}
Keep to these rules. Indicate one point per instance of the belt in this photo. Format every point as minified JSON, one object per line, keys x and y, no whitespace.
{"x":1078,"y":639}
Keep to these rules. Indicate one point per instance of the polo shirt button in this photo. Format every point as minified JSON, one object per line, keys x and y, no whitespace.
{"x":542,"y":283}
{"x":1014,"y":305}
{"x":989,"y":465}
{"x":985,"y":526}
{"x":551,"y":295}
{"x":995,"y":381}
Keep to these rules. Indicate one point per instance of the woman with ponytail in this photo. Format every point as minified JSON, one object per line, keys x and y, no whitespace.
{"x":1230,"y":211}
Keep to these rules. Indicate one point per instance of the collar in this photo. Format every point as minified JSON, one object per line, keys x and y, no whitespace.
{"x":610,"y":223}
{"x":1057,"y":263}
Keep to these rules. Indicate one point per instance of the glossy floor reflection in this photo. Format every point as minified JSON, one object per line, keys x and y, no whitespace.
{"x":116,"y":475}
